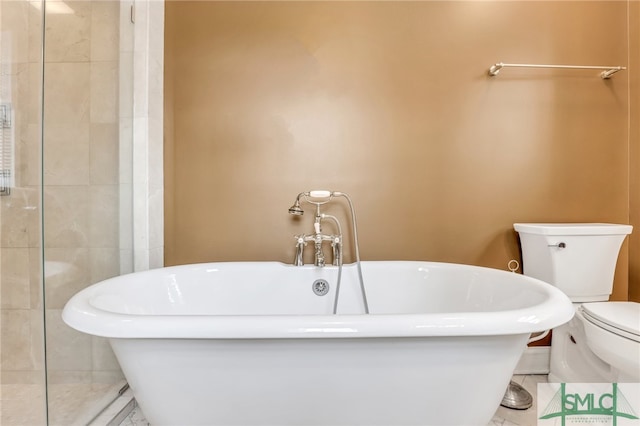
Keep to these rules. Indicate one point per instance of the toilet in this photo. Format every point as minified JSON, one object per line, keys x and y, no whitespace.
{"x":601,"y":344}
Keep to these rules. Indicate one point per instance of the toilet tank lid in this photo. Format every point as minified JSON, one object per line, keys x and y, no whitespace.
{"x":573,"y":228}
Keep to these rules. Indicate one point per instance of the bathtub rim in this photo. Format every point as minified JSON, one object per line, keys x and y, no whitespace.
{"x":80,"y":314}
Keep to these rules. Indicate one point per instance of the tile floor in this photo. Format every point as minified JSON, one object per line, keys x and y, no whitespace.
{"x":73,"y":404}
{"x":504,"y":416}
{"x":14,"y":412}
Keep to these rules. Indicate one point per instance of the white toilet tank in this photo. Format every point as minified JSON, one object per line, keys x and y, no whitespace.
{"x":578,"y":258}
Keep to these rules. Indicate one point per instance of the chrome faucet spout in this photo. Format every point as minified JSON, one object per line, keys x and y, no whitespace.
{"x":298,"y":260}
{"x":336,"y":245}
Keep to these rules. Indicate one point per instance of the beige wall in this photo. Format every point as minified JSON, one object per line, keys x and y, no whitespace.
{"x":391,"y":103}
{"x":634,"y":151}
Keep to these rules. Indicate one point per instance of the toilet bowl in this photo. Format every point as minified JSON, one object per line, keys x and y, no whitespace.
{"x":602,"y":342}
{"x":612,"y":331}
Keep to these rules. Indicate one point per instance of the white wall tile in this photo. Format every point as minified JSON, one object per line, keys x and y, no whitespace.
{"x":104,"y":263}
{"x":105,"y":30}
{"x":66,"y":154}
{"x":68,"y":34}
{"x":15,"y":279}
{"x":67,"y":349}
{"x":66,"y":272}
{"x":103,"y":154}
{"x":67,"y":216}
{"x":104,"y":92}
{"x":68,"y":92}
{"x":103,"y":211}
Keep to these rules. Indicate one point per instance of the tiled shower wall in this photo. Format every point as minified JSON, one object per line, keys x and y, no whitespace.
{"x":84,"y":126}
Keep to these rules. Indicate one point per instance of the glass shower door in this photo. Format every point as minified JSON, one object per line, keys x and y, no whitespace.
{"x":87,"y":102}
{"x":22,"y":361}
{"x":66,"y":113}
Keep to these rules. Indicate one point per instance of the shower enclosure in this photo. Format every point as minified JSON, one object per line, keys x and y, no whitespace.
{"x":66,"y":123}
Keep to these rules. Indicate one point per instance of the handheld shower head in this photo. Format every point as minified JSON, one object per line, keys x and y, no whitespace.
{"x":295,"y":209}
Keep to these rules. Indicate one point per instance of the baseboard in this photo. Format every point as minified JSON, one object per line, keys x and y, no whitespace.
{"x":534,"y":360}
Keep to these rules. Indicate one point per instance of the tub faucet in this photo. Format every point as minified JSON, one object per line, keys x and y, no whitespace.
{"x":317,"y":237}
{"x":319,"y":198}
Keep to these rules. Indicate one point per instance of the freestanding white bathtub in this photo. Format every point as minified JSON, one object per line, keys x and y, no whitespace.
{"x":251,"y":344}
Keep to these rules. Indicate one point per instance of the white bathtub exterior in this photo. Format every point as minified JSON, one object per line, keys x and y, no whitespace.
{"x":249,"y":343}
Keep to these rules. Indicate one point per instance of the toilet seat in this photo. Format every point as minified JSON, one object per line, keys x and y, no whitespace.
{"x":620,"y":318}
